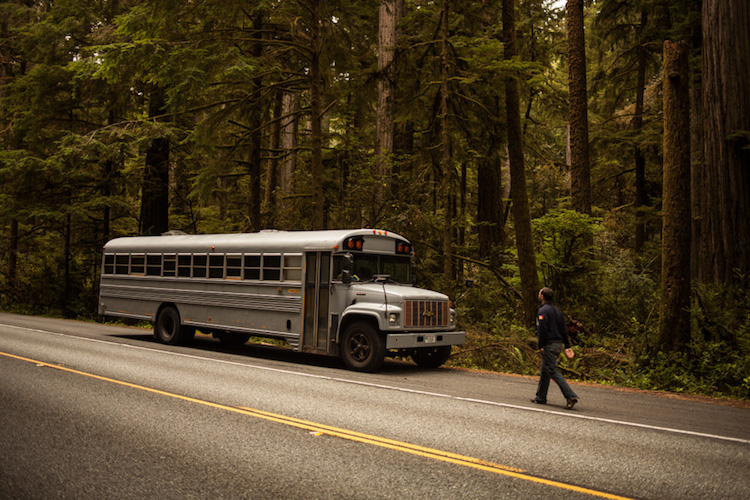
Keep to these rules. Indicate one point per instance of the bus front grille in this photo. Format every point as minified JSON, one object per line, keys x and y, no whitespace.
{"x":426,"y":313}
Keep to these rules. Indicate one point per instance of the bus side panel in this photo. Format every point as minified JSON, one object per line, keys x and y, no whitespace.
{"x":263,"y":310}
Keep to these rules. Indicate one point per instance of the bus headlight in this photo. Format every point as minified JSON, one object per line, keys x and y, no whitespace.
{"x":392,"y":319}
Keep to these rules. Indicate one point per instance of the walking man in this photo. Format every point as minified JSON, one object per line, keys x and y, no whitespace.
{"x":551,"y":336}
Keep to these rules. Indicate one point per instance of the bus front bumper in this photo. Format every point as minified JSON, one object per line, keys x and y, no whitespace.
{"x":427,"y":339}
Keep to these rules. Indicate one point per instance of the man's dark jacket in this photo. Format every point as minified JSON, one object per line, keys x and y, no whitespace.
{"x":550,"y":326}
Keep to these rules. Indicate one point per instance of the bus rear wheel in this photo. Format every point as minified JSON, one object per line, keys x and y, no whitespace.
{"x":431,"y":357}
{"x":169,"y":330}
{"x":362,"y":348}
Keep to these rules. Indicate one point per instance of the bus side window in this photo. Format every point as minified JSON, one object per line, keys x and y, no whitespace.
{"x":138,"y":264}
{"x":252,"y":267}
{"x":216,"y":266}
{"x":200,"y":262}
{"x":170,"y":265}
{"x":183,"y":265}
{"x":234,"y":267}
{"x":122,"y":264}
{"x":109,"y":264}
{"x":293,"y":268}
{"x":153,"y":265}
{"x":271,"y":267}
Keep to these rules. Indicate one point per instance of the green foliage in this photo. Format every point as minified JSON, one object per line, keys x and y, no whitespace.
{"x":566,"y":256}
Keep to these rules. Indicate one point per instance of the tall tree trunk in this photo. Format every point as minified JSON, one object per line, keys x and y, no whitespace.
{"x":289,"y":129}
{"x":490,"y":189}
{"x":696,"y":152}
{"x":256,"y":137}
{"x":490,"y":208}
{"x":724,"y":252}
{"x":641,"y":198}
{"x":155,"y":189}
{"x":580,"y":176}
{"x":316,"y":116}
{"x":390,"y":13}
{"x":674,"y":318}
{"x":518,"y":194}
{"x":272,"y":170}
{"x":445,"y":159}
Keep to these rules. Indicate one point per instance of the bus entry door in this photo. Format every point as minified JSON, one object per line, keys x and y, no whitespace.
{"x":317,"y":293}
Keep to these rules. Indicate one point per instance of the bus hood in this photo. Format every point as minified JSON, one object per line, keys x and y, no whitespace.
{"x":395,"y":293}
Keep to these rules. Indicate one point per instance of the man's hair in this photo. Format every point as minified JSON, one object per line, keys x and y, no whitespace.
{"x":547,"y":293}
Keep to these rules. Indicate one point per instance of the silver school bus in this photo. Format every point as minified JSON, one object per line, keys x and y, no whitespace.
{"x":341,"y":293}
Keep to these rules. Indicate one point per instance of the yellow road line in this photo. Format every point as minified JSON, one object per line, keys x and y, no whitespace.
{"x":443,"y":456}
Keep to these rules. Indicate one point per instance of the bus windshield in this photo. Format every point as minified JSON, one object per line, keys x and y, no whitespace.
{"x":368,"y":265}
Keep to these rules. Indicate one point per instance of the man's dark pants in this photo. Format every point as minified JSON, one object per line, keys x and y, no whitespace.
{"x":550,"y":371}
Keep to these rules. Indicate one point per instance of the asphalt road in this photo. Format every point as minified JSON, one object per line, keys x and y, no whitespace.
{"x":97,"y":411}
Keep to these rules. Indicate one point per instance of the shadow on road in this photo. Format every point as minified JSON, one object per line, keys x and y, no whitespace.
{"x":277,"y":353}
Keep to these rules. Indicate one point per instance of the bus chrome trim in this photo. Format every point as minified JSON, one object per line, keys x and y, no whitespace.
{"x":415,"y":340}
{"x":426,"y":314}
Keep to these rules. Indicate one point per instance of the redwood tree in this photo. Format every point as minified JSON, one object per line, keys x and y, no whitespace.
{"x":580,"y":177}
{"x":674,"y":318}
{"x":390,"y":14}
{"x":155,"y":190}
{"x":724,"y":180}
{"x":518,"y":194}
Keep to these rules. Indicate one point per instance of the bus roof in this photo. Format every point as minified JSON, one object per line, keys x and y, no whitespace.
{"x":269,"y":241}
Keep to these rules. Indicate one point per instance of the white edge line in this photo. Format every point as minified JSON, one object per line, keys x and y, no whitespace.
{"x":402,"y":389}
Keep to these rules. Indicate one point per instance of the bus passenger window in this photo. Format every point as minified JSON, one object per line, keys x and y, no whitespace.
{"x":138,"y":264}
{"x":234,"y":267}
{"x":271,"y":267}
{"x":122,"y":264}
{"x":183,"y":265}
{"x":109,"y":264}
{"x":293,"y":268}
{"x":252,"y":267}
{"x":170,"y":265}
{"x":153,"y":265}
{"x":200,"y":262}
{"x":216,"y":266}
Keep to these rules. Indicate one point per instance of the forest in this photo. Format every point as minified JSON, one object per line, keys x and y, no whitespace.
{"x":598,"y":147}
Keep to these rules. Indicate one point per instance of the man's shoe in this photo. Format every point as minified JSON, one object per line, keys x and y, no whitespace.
{"x":538,"y":401}
{"x":571,"y":404}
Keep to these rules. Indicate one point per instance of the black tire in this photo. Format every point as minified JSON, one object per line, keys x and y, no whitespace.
{"x":431,"y":357}
{"x":362,"y":348}
{"x":232,"y":339}
{"x":168,"y":328}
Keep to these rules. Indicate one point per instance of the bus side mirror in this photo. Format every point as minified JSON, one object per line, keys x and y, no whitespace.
{"x":346,"y":268}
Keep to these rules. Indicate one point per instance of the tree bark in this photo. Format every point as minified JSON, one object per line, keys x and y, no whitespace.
{"x":518,"y":194}
{"x":289,"y":129}
{"x":674,"y":318}
{"x":390,"y":13}
{"x":641,"y":198}
{"x":580,"y":176}
{"x":446,"y":163}
{"x":155,"y":189}
{"x":254,"y":165}
{"x":272,"y":170}
{"x":724,"y":245}
{"x":318,"y":198}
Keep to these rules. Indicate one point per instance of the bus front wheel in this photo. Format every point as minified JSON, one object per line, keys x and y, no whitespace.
{"x":362,"y":348}
{"x":169,"y":330}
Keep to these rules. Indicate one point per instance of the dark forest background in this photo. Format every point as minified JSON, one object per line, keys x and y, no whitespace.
{"x":600,"y":147}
